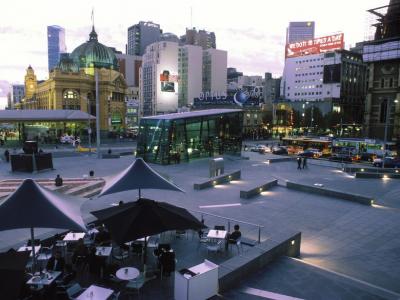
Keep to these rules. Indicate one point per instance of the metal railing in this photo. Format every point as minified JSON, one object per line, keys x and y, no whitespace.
{"x":229,"y":220}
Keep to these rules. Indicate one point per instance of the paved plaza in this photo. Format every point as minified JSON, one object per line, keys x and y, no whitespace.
{"x":344,"y":244}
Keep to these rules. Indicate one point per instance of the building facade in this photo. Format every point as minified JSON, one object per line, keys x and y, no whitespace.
{"x":300,"y":31}
{"x":17,"y":93}
{"x":55,"y":44}
{"x":72,"y":85}
{"x":140,"y":36}
{"x":382,"y":107}
{"x":337,"y":77}
{"x":172,"y":76}
{"x":202,"y":38}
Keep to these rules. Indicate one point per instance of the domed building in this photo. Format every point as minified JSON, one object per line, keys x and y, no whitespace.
{"x":71,"y":85}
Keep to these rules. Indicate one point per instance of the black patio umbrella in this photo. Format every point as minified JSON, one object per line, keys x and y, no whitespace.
{"x":138,"y":176}
{"x":12,"y":270}
{"x":144,"y":217}
{"x":33,"y":206}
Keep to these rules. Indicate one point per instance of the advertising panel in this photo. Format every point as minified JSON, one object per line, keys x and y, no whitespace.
{"x":168,"y":82}
{"x":241,"y":97}
{"x":315,"y":46}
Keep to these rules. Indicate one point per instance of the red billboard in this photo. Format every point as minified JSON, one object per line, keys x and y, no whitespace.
{"x":315,"y":46}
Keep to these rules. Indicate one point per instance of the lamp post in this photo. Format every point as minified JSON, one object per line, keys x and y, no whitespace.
{"x":387,"y":120}
{"x":89,"y":125}
{"x":96,"y":75}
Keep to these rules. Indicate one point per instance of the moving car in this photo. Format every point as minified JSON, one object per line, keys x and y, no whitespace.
{"x":312,"y":153}
{"x":390,"y":162}
{"x":279,"y":150}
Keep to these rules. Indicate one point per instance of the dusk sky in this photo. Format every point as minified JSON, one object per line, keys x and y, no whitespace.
{"x":253,"y":31}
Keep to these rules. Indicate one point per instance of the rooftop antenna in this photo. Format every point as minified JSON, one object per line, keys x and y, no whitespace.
{"x":191,"y":17}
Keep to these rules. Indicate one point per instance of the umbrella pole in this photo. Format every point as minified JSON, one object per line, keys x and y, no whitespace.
{"x":140,"y":194}
{"x":33,"y":251}
{"x":145,"y":257}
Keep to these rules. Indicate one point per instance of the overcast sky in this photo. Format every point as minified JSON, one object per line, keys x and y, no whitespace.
{"x":252,"y":31}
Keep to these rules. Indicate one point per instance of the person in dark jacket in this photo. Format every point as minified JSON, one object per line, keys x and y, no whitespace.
{"x":56,"y":263}
{"x":58,"y":181}
{"x":7,"y":155}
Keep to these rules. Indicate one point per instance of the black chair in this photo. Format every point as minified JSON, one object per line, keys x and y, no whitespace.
{"x":219,"y":227}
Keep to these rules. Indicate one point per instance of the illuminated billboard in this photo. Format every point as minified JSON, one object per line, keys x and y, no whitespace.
{"x":168,"y":81}
{"x":315,"y":46}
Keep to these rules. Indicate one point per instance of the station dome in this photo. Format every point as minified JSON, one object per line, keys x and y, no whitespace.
{"x":93,"y":54}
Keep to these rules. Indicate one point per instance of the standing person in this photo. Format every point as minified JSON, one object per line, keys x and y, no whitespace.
{"x":7,"y":155}
{"x":304,"y":162}
{"x":298,"y":163}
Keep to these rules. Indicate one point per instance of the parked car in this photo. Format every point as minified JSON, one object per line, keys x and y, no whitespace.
{"x":312,"y":153}
{"x":341,"y":157}
{"x":258,"y":148}
{"x":279,"y":150}
{"x":390,"y":162}
{"x":368,"y":156}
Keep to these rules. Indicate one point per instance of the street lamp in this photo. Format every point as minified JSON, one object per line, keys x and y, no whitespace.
{"x":89,"y":124}
{"x":388,"y":107}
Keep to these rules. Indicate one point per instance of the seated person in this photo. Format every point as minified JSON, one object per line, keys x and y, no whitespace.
{"x":235,"y":235}
{"x":80,"y":252}
{"x":102,"y":237}
{"x":167,"y":261}
{"x":95,"y":263}
{"x":58,"y":181}
{"x":56,"y":262}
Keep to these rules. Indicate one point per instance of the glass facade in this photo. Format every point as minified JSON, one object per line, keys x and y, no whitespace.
{"x":170,"y":140}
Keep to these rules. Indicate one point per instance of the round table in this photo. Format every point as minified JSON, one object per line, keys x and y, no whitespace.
{"x":127,"y":273}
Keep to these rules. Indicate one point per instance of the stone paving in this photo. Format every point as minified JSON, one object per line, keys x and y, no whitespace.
{"x":356,"y":240}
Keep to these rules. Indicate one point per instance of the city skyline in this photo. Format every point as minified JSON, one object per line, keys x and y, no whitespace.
{"x":259,"y":50}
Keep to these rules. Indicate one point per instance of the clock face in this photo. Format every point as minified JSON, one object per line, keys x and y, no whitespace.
{"x":387,"y":69}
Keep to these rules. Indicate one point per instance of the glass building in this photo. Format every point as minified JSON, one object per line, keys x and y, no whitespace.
{"x":56,"y":44}
{"x":172,"y":138}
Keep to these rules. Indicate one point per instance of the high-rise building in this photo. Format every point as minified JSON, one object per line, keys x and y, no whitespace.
{"x":141,"y":35}
{"x":271,"y":90}
{"x":202,"y":38}
{"x":17,"y":93}
{"x":129,"y":66}
{"x":300,"y":31}
{"x":172,"y":75}
{"x":382,"y":105}
{"x":55,"y":44}
{"x":332,"y":81}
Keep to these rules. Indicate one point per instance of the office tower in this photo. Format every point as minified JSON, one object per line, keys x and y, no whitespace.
{"x":55,"y":44}
{"x":141,"y":35}
{"x":202,"y":38}
{"x":17,"y":93}
{"x":300,"y":31}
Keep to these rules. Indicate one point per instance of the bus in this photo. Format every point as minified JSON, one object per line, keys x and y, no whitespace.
{"x":298,"y":144}
{"x":358,"y":146}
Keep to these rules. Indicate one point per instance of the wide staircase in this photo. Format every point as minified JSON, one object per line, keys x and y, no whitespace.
{"x":81,"y":187}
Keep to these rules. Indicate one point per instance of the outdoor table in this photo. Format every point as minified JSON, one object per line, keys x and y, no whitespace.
{"x":128,"y":273}
{"x":74,"y":236}
{"x":95,"y":292}
{"x":103,"y":251}
{"x":29,"y":248}
{"x":217,"y":234}
{"x":46,"y":279}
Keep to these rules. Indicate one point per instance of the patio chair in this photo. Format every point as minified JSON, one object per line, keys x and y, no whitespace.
{"x":135,"y":284}
{"x":237,"y":243}
{"x":74,"y":291}
{"x":120,"y":254}
{"x":44,"y":255}
{"x":215,"y":247}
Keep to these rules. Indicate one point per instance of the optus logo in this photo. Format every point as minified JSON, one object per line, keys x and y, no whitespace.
{"x":241,"y":97}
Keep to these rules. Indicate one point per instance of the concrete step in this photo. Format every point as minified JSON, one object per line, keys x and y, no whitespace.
{"x":91,"y":193}
{"x":79,"y":190}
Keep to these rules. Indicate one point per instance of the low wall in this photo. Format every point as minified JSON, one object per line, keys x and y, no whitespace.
{"x":377,"y":175}
{"x":224,"y":178}
{"x":232,"y":271}
{"x":258,"y":189}
{"x":281,"y":159}
{"x":329,"y":193}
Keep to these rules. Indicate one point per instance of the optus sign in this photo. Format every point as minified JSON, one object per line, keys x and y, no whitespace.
{"x":315,"y":46}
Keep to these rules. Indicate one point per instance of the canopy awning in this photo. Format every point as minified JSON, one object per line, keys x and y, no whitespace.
{"x":43,"y":115}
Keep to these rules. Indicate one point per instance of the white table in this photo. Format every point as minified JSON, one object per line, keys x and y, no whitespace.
{"x":128,"y":273}
{"x":47,"y":279}
{"x":95,"y":292}
{"x":103,"y":251}
{"x":217,"y":234}
{"x":74,"y":236}
{"x":29,"y":248}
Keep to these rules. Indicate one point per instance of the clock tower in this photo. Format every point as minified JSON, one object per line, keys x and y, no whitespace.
{"x":30,"y":83}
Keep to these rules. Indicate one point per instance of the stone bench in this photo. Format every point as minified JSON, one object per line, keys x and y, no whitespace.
{"x":224,"y":178}
{"x":377,"y":175}
{"x":233,"y":270}
{"x":108,"y":156}
{"x":258,"y":189}
{"x":329,"y":193}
